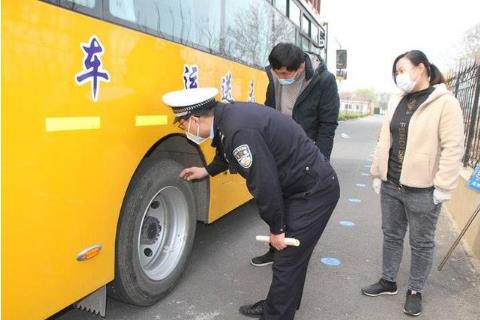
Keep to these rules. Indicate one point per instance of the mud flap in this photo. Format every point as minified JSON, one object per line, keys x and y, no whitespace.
{"x":95,"y":302}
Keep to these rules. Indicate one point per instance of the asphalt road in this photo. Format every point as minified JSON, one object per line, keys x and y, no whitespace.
{"x":219,"y":277}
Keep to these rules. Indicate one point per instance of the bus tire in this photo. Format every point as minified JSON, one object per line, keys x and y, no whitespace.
{"x":155,"y":233}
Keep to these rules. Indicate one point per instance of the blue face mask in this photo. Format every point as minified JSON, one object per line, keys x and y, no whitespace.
{"x":286,"y":82}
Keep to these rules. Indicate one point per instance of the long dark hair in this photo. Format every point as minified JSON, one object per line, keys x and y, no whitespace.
{"x":416,"y":57}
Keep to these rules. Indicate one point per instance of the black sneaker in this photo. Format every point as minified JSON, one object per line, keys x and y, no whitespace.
{"x":380,"y":288}
{"x":413,"y":303}
{"x":252,"y":310}
{"x":264,"y":260}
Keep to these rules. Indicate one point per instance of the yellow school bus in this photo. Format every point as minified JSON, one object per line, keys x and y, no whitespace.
{"x":92,"y":203}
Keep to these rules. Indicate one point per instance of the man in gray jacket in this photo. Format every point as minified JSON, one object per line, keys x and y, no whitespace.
{"x":302,"y":87}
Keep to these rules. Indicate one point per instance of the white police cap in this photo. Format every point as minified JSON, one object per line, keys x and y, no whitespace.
{"x":188,"y":101}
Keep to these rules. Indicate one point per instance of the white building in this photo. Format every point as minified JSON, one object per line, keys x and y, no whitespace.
{"x":356,"y":106}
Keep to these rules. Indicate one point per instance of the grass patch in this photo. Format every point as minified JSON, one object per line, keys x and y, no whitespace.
{"x":342,"y":116}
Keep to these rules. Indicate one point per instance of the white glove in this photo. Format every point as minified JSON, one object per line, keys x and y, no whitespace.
{"x":376,"y":184}
{"x":440,"y":196}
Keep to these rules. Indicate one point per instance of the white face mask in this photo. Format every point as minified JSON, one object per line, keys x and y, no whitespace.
{"x":404,"y":82}
{"x":192,"y":137}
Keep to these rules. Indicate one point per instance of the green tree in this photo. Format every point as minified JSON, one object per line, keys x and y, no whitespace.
{"x":366,"y":95}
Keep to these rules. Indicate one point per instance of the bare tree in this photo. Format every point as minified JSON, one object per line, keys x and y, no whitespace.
{"x":255,"y":31}
{"x":282,"y":30}
{"x":247,"y":33}
{"x":471,"y":44}
{"x":208,"y":34}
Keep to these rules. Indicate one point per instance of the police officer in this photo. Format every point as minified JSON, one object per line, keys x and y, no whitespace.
{"x":294,"y":186}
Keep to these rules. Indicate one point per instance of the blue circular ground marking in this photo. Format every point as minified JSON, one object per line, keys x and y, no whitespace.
{"x":333,"y":262}
{"x":354,"y":200}
{"x":347,"y":223}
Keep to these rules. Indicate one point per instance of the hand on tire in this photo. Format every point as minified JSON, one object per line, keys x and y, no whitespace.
{"x":193,"y":173}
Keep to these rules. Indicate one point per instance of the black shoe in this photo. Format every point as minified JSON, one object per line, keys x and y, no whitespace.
{"x":380,"y":288}
{"x":413,"y":303}
{"x":252,"y":310}
{"x":264,"y":260}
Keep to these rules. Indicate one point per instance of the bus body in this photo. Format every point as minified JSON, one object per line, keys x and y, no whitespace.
{"x":81,"y":117}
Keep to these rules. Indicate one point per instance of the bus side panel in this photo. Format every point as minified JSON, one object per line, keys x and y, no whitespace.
{"x":62,"y":187}
{"x":54,"y":183}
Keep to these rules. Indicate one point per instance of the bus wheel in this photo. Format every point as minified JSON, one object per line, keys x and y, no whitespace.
{"x":155,"y":233}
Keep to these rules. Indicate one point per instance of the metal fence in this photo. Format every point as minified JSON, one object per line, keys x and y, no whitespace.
{"x":465,"y":84}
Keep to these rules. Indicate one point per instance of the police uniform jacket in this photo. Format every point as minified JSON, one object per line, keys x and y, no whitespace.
{"x":271,"y":152}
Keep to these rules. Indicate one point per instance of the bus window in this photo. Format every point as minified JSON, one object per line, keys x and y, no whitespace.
{"x":283,"y":29}
{"x":89,"y":7}
{"x":248,"y":31}
{"x":282,"y":6}
{"x":188,"y":22}
{"x":244,"y":31}
{"x":85,"y":3}
{"x":294,"y":13}
{"x":306,"y":25}
{"x":123,"y":9}
{"x":314,"y":34}
{"x":305,"y":43}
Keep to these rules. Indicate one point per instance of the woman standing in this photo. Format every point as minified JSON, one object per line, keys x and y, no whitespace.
{"x":416,"y":166}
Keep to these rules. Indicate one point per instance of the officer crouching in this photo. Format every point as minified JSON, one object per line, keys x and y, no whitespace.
{"x":294,"y":186}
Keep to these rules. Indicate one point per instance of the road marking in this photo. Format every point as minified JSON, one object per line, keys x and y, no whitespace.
{"x":361,"y":185}
{"x":354,"y":200}
{"x":54,"y":124}
{"x":365,"y":174}
{"x":346,"y":223}
{"x":344,"y":135}
{"x":151,"y":120}
{"x":332,"y":262}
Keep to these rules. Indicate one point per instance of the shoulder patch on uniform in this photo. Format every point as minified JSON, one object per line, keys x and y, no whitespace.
{"x":243,"y":155}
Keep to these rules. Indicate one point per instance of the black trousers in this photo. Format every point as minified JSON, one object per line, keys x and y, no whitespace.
{"x":307,"y":216}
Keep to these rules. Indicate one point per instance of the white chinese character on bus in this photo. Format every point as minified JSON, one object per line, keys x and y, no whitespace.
{"x":190,"y":76}
{"x":227,"y":87}
{"x":251,"y":92}
{"x":92,"y":66}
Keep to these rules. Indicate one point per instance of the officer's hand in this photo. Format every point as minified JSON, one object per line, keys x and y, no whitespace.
{"x":278,"y":241}
{"x":193,"y":173}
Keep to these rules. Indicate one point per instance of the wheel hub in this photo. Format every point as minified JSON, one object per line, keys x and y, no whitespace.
{"x":150,"y":230}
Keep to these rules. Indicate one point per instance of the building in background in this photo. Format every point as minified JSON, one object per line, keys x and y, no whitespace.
{"x":361,"y":101}
{"x":364,"y":107}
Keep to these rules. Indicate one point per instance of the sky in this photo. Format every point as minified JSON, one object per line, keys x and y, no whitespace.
{"x":375,"y":32}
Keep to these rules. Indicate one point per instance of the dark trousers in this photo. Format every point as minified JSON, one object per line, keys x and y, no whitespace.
{"x":413,"y":209}
{"x":307,"y":217}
